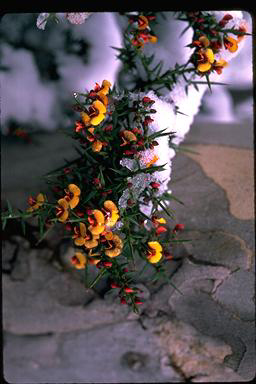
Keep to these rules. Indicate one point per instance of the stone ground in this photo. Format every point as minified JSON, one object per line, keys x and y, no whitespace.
{"x":54,"y":331}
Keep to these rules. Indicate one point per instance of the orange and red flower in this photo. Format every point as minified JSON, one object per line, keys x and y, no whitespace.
{"x":154,"y":253}
{"x":35,"y":203}
{"x":72,"y":195}
{"x":79,"y":260}
{"x":115,"y":246}
{"x":62,"y":210}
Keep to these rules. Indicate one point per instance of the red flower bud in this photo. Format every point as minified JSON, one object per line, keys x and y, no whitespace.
{"x":138,"y":301}
{"x":151,"y":17}
{"x":128,"y":290}
{"x":107,"y":264}
{"x":125,"y":270}
{"x":96,"y":181}
{"x":227,"y":17}
{"x":160,"y":230}
{"x":130,"y":202}
{"x":129,"y":185}
{"x":114,"y":285}
{"x":137,"y":130}
{"x":130,"y":152}
{"x":168,"y":255}
{"x":123,"y":301}
{"x":147,"y":120}
{"x":147,"y":99}
{"x":108,"y":128}
{"x":179,"y":227}
{"x":68,"y":227}
{"x":67,"y":170}
{"x":79,"y":213}
{"x":155,"y":185}
{"x":140,"y":142}
{"x":89,"y":211}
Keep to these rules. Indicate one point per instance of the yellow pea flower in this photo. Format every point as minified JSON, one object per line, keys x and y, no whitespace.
{"x":116,"y":246}
{"x":154,"y":252}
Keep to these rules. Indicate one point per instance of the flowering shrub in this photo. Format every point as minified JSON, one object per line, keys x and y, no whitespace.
{"x":112,"y":197}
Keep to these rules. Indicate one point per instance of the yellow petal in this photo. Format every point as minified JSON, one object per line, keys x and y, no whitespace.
{"x":110,"y":206}
{"x":221,"y":63}
{"x":79,"y":241}
{"x":109,"y":235}
{"x":117,"y":241}
{"x":153,"y":39}
{"x":209,"y":54}
{"x":82,"y":228}
{"x":234,"y":45}
{"x":204,"y":40}
{"x":161,"y":220}
{"x":155,"y":245}
{"x":82,"y":260}
{"x":98,"y":229}
{"x":40,"y":198}
{"x":155,"y":258}
{"x":96,"y":146}
{"x":129,"y":135}
{"x":91,"y":243}
{"x":111,"y":221}
{"x":97,"y":119}
{"x":113,"y":252}
{"x":74,"y":189}
{"x":103,"y":97}
{"x":145,"y":22}
{"x":98,"y":216}
{"x":63,"y":203}
{"x":85,"y":117}
{"x":63,"y":217}
{"x":99,"y":106}
{"x":204,"y":67}
{"x":106,"y":83}
{"x":74,"y":202}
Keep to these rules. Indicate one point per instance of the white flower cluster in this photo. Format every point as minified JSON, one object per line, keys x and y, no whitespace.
{"x":164,"y":118}
{"x":77,"y":18}
{"x":72,"y":17}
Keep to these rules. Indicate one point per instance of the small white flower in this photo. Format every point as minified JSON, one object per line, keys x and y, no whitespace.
{"x":77,"y":17}
{"x":42,"y":20}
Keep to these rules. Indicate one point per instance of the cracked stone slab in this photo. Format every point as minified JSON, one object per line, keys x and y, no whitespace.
{"x":206,"y":205}
{"x":236,"y":293}
{"x":198,"y":307}
{"x":117,"y":353}
{"x":233,"y":170}
{"x":225,"y":249}
{"x":53,"y":301}
{"x":196,"y":356}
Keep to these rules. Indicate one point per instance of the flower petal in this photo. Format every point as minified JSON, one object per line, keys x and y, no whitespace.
{"x":155,"y":258}
{"x":210,"y":55}
{"x":85,"y":117}
{"x":74,"y":189}
{"x":63,"y":203}
{"x":82,"y":228}
{"x":97,"y":119}
{"x":99,"y":106}
{"x":204,"y":67}
{"x":74,"y":202}
{"x":79,"y":241}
